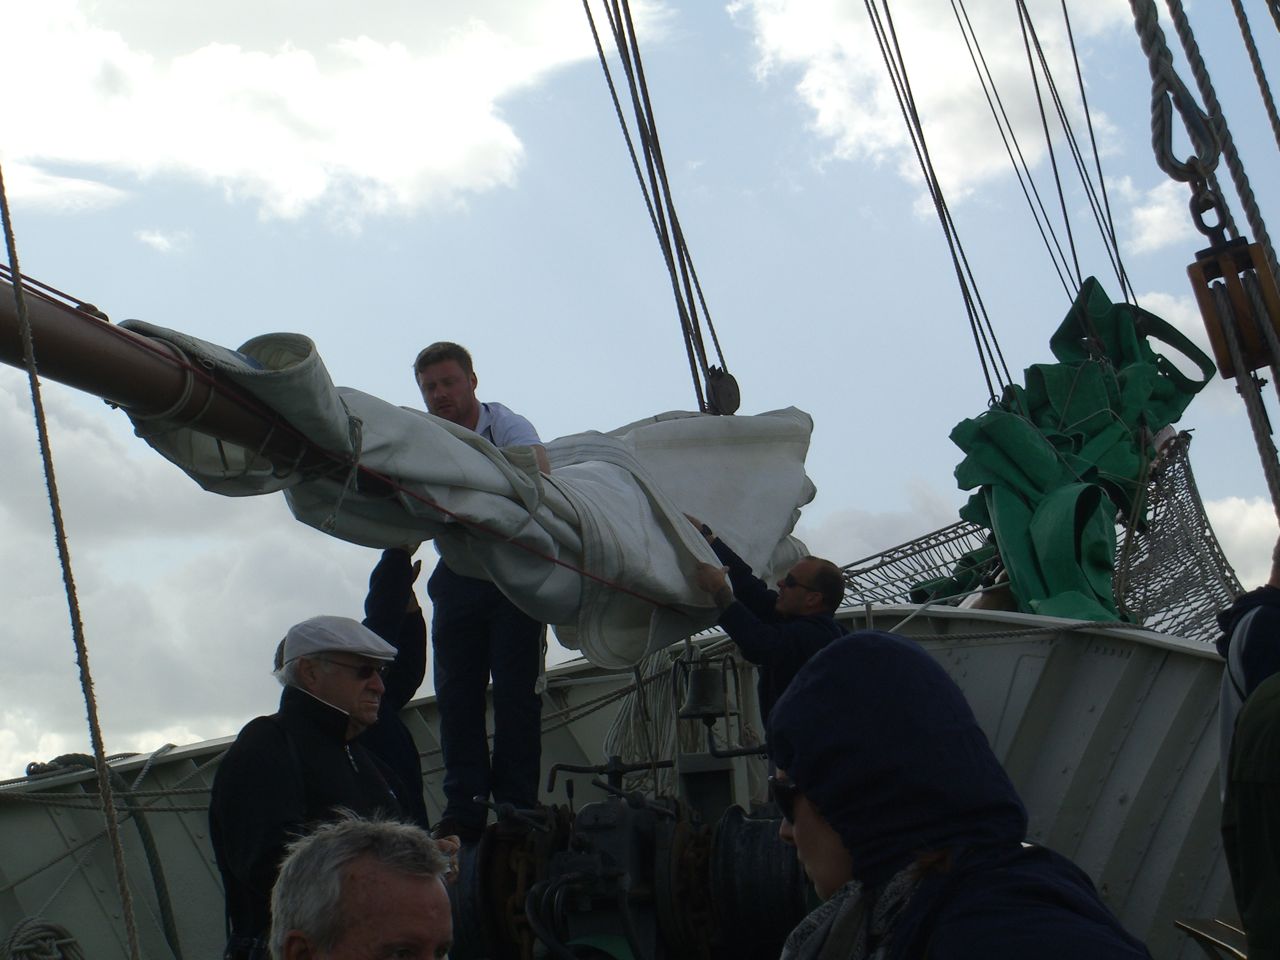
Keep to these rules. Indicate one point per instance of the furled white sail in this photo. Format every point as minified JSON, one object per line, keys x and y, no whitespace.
{"x":612,"y":507}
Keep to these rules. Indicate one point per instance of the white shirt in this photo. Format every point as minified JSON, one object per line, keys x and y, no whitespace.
{"x":504,"y":428}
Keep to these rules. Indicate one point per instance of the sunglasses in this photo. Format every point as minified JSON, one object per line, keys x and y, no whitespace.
{"x":790,"y":581}
{"x":784,"y":793}
{"x":363,"y":671}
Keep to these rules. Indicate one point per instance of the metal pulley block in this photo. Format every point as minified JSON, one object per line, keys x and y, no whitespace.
{"x":1241,"y":269}
{"x":722,"y":392}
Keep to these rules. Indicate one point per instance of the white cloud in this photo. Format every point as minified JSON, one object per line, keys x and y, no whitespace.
{"x":843,"y":81}
{"x":291,"y":107}
{"x":162,"y":242}
{"x":1246,"y":530}
{"x":1158,"y":217}
{"x":183,"y":594}
{"x":846,"y":536}
{"x":37,"y":189}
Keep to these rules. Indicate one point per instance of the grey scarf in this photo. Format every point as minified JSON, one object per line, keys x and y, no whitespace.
{"x":838,"y":930}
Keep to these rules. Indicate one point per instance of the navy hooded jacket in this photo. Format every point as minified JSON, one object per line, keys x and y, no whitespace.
{"x":1257,"y":661}
{"x":884,"y":745}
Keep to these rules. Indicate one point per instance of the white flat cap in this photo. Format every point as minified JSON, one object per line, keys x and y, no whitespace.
{"x":334,"y":635}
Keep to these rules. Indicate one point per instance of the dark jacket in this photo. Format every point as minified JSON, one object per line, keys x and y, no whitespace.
{"x":284,"y":773}
{"x":386,"y":613}
{"x":884,"y":745}
{"x":1258,"y":661}
{"x":1251,"y":819}
{"x":778,"y":646}
{"x":1251,"y":763}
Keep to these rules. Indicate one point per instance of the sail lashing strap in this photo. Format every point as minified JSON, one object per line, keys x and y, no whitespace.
{"x":73,"y":603}
{"x":721,"y":390}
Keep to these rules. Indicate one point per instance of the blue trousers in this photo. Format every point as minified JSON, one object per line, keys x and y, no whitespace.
{"x":477,"y":632}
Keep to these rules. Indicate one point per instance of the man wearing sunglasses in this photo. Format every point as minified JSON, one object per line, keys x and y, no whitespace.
{"x":298,"y":767}
{"x":777,"y":630}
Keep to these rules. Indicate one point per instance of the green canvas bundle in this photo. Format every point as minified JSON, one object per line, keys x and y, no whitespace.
{"x":1057,"y":461}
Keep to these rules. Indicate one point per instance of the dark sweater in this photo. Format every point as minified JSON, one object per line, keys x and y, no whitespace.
{"x":778,"y":646}
{"x":386,"y":613}
{"x":283,"y":774}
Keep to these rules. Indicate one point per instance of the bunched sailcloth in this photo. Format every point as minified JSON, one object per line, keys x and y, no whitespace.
{"x":600,"y":548}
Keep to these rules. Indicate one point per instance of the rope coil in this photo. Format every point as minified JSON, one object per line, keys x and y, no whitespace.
{"x":37,"y":939}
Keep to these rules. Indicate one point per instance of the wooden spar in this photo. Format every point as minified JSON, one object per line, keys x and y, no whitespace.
{"x":147,"y":377}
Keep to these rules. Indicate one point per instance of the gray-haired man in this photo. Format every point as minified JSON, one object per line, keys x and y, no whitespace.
{"x":298,"y":767}
{"x":362,"y":890}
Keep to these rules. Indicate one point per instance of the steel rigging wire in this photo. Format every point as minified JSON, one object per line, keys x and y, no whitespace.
{"x":720,"y":394}
{"x":990,"y":355}
{"x":1099,"y":202}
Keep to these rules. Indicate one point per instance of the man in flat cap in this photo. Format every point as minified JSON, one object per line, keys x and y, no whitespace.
{"x":299,"y":766}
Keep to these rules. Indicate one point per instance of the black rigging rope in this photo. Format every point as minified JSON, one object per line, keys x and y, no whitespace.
{"x":1106,"y":230}
{"x":1113,"y":244}
{"x":656,"y":190}
{"x":990,"y":356}
{"x":1004,"y":126}
{"x":1023,"y":18}
{"x":1038,"y":64}
{"x":1100,"y":209}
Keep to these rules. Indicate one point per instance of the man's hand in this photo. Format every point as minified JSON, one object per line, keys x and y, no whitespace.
{"x":701,"y":527}
{"x":450,"y":846}
{"x":711,"y":579}
{"x":412,"y":603}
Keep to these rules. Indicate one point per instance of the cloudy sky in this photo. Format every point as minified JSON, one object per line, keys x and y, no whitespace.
{"x":384,"y":176}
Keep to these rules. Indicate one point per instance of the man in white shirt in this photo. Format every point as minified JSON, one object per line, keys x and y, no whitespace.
{"x":476,"y":631}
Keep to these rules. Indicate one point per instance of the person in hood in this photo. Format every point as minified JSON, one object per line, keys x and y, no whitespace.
{"x":1250,"y":767}
{"x":908,"y":826}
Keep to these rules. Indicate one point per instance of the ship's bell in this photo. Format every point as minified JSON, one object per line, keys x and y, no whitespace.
{"x":704,"y":693}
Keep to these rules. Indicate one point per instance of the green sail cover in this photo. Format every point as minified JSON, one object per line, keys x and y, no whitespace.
{"x":1057,"y":461}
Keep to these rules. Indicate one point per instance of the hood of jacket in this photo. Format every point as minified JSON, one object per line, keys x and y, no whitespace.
{"x":883,"y":743}
{"x":1266,"y":596}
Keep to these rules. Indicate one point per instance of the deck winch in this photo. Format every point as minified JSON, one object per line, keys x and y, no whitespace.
{"x":629,"y":878}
